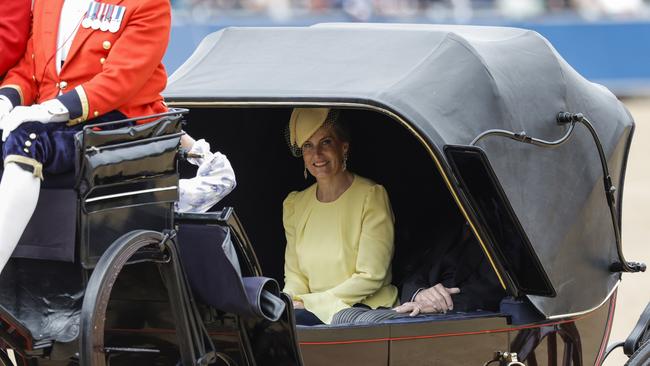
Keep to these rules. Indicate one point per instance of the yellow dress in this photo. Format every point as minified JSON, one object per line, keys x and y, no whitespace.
{"x":339,"y":253}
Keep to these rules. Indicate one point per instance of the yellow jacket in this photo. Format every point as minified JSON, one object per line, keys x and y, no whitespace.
{"x":339,"y":253}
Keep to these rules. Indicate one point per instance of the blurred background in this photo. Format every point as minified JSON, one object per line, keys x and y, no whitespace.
{"x":607,"y":41}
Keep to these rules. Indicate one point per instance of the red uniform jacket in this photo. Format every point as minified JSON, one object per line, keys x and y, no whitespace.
{"x":103,"y":71}
{"x":15,"y":18}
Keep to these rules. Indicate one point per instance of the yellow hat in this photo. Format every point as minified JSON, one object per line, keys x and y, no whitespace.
{"x":304,"y":122}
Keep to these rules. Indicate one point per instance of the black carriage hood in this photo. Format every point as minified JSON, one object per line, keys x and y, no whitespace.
{"x":450,"y":83}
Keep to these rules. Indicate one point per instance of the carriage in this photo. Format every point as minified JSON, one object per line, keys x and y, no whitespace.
{"x":483,"y":126}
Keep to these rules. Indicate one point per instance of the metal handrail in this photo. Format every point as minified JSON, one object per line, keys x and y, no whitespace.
{"x":610,"y":190}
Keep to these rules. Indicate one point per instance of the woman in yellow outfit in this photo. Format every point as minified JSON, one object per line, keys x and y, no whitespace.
{"x":339,"y":230}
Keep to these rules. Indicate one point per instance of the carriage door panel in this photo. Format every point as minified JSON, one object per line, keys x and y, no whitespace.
{"x":352,"y":345}
{"x":506,"y":239}
{"x":447,"y":343}
{"x":565,"y":343}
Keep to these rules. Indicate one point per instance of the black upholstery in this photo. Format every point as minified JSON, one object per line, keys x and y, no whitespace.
{"x":44,"y":297}
{"x":381,"y":149}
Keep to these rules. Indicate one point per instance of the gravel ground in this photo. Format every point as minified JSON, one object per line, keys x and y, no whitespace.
{"x":634,"y":292}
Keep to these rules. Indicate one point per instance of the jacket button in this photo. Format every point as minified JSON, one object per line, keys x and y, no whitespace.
{"x":102,"y":60}
{"x":63,"y":84}
{"x":32,"y":136}
{"x":28,"y":143}
{"x":96,"y":113}
{"x":106,"y":45}
{"x":33,"y":56}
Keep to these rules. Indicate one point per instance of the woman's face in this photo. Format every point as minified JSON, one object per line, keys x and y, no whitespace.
{"x":323,"y":153}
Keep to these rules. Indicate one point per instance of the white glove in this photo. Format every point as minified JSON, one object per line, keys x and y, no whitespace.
{"x":5,"y":107}
{"x":49,"y":111}
{"x":200,"y":148}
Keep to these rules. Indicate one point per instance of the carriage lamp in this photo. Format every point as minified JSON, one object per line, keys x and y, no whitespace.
{"x":564,"y":118}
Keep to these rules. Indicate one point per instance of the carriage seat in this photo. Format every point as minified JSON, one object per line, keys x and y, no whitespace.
{"x":121,"y":173}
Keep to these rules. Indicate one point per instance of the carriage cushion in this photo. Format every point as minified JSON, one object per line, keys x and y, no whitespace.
{"x":382,"y":316}
{"x":51,"y":232}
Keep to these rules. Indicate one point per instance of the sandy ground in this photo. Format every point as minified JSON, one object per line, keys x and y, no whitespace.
{"x":634,"y":292}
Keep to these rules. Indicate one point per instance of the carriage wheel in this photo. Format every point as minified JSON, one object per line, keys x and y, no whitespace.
{"x":98,"y":291}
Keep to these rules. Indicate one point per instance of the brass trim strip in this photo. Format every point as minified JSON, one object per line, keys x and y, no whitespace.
{"x":38,"y":167}
{"x":378,"y":109}
{"x":578,"y":313}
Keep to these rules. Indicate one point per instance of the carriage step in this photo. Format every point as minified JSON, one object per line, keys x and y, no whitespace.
{"x":130,"y":349}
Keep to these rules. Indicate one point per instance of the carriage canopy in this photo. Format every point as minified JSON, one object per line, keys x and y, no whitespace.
{"x":449,"y":84}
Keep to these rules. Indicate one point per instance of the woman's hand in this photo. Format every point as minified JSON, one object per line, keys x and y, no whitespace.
{"x":298,"y":305}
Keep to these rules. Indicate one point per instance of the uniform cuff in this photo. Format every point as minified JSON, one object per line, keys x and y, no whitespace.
{"x":13,"y":93}
{"x":76,"y":102}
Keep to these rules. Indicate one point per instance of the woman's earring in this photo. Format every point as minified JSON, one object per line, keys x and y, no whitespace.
{"x":305,"y":173}
{"x":345,"y":162}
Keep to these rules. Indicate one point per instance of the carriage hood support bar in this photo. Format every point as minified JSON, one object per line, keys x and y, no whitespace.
{"x":572,"y":118}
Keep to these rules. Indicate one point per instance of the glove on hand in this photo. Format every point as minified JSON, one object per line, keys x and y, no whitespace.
{"x":200,"y":152}
{"x":5,"y":108}
{"x":49,"y":111}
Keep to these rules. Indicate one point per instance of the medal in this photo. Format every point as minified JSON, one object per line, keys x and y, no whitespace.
{"x":96,"y":22}
{"x":106,"y":20}
{"x":116,"y":20}
{"x":87,"y":21}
